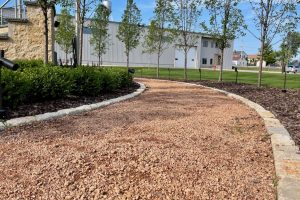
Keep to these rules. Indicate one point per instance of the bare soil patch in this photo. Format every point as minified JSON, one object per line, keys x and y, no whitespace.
{"x":285,"y":106}
{"x":172,"y":142}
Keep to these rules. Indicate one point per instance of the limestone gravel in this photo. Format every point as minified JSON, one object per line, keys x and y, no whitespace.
{"x":172,"y":142}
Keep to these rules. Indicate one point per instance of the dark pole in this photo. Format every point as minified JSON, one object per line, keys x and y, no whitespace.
{"x":74,"y":46}
{"x":236,"y":75}
{"x":285,"y":66}
{"x":284,"y":83}
{"x":200,"y":73}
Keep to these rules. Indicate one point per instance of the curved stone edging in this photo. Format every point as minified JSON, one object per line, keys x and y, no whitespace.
{"x":286,"y":153}
{"x":70,"y":111}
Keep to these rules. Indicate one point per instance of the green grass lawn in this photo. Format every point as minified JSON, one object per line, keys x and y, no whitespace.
{"x":269,"y":80}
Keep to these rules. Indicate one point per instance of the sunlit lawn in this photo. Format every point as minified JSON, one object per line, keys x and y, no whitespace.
{"x":270,"y":80}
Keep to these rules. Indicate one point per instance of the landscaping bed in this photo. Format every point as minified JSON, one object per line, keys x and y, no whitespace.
{"x":34,"y":88}
{"x":285,"y":106}
{"x":67,"y":102}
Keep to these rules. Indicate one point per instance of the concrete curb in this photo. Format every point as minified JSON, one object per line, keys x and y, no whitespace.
{"x":286,"y":153}
{"x":69,"y":111}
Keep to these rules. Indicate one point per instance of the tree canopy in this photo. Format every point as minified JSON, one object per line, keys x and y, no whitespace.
{"x":160,"y":34}
{"x":130,"y":29}
{"x":226,"y":23}
{"x":65,"y":32}
{"x":99,"y":29}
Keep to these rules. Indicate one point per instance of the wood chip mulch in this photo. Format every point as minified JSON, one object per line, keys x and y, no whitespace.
{"x":172,"y":142}
{"x":284,"y":105}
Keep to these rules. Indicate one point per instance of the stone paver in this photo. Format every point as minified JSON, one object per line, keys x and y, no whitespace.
{"x":174,"y":141}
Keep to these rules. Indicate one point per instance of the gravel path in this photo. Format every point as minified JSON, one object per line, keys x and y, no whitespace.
{"x":172,"y":142}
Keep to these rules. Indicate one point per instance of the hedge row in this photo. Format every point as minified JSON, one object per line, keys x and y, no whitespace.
{"x":36,"y":83}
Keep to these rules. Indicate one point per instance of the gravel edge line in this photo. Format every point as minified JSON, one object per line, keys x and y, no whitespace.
{"x":69,"y":111}
{"x":286,"y":153}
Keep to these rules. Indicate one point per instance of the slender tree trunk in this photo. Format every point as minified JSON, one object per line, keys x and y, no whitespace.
{"x":46,"y":38}
{"x":77,"y":19}
{"x":262,"y":48}
{"x":83,"y":12}
{"x":127,"y":55}
{"x":264,"y":30}
{"x":221,"y":65}
{"x":283,"y":67}
{"x":99,"y":59}
{"x":185,"y":64}
{"x":157,"y":69}
{"x":81,"y":44}
{"x":66,"y":58}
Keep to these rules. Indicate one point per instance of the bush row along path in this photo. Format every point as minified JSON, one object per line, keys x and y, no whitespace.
{"x":173,"y":142}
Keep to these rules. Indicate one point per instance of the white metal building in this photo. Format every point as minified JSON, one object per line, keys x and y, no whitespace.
{"x":204,"y":54}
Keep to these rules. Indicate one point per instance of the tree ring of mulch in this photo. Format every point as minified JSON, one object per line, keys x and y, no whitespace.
{"x":64,"y":103}
{"x":284,"y":105}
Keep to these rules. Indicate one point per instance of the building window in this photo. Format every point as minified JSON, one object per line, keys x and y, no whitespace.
{"x":205,"y":43}
{"x":204,"y":61}
{"x":212,"y":44}
{"x":216,"y":45}
{"x":211,"y":61}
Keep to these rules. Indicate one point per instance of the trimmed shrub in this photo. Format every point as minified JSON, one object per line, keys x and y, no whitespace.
{"x":35,"y":83}
{"x":24,"y":64}
{"x":87,"y":81}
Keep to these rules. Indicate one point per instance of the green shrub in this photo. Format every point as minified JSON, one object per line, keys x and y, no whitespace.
{"x":24,"y":64}
{"x":48,"y":83}
{"x":35,"y":83}
{"x":16,"y":88}
{"x":88,"y":81}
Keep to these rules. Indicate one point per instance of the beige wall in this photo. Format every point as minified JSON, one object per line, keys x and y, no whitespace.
{"x":26,"y":39}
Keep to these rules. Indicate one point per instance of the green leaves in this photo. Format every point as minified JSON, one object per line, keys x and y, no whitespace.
{"x":160,"y":34}
{"x":66,"y":31}
{"x":99,"y":29}
{"x":226,"y":21}
{"x":40,"y":83}
{"x":130,"y":29}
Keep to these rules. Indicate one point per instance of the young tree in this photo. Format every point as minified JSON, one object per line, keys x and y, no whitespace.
{"x":99,"y":28}
{"x":186,"y":15}
{"x":160,"y":35}
{"x":270,"y":55}
{"x":65,"y":32}
{"x":289,"y":48}
{"x":129,"y":31}
{"x":45,"y":6}
{"x":226,"y":24}
{"x":82,"y":8}
{"x":271,"y":18}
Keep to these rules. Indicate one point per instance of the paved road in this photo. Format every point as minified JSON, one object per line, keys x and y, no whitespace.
{"x":172,"y":142}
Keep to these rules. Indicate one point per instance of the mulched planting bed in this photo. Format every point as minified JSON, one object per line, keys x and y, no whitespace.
{"x":285,"y":106}
{"x":68,"y":102}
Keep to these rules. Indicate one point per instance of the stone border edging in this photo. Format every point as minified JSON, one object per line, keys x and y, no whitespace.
{"x":69,"y":111}
{"x":286,"y":153}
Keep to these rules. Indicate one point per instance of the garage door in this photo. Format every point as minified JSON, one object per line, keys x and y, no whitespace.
{"x":191,"y":58}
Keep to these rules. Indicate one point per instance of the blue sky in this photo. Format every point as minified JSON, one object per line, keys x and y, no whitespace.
{"x":248,"y":43}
